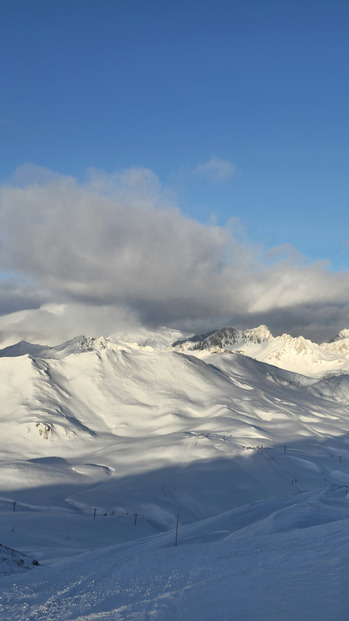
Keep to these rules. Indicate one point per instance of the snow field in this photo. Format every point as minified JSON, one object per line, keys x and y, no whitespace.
{"x":106,"y":441}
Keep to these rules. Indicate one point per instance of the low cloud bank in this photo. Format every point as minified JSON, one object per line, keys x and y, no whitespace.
{"x":114,"y":250}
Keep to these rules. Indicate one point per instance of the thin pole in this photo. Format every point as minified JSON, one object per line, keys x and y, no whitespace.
{"x":177,"y":530}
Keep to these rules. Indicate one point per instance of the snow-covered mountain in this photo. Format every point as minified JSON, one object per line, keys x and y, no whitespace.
{"x":79,"y":344}
{"x":239,"y":438}
{"x":294,"y":354}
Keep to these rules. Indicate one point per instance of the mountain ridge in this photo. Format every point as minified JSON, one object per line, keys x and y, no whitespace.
{"x":292,"y":353}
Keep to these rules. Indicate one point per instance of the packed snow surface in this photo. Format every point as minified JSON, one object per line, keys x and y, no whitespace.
{"x":233,"y":445}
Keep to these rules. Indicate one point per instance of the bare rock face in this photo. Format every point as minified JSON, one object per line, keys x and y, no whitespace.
{"x":44,"y":430}
{"x":228,"y":338}
{"x":13,"y":562}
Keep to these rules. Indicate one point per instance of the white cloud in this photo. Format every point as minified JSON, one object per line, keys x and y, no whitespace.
{"x":114,"y":247}
{"x":216,"y":169}
{"x":55,"y":323}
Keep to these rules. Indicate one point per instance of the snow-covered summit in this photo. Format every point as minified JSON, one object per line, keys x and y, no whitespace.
{"x":23,"y":348}
{"x":296,"y":354}
{"x":343,"y":334}
{"x":79,"y":344}
{"x":141,"y":338}
{"x":226,"y":339}
{"x":340,"y":344}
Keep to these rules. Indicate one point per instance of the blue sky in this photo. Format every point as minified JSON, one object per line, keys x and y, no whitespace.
{"x":238,"y":107}
{"x":166,"y":85}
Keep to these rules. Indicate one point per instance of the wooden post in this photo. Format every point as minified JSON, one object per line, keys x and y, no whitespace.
{"x":94,"y":513}
{"x":14,"y":505}
{"x":136,"y":515}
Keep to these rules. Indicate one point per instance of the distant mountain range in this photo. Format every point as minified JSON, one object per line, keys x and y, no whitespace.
{"x":292,"y":353}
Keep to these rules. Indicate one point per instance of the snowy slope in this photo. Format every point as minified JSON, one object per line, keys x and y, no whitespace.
{"x":106,"y":441}
{"x":272,"y":560}
{"x":13,"y":562}
{"x":113,"y":413}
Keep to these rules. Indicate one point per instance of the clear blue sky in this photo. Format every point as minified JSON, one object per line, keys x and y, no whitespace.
{"x":166,"y":85}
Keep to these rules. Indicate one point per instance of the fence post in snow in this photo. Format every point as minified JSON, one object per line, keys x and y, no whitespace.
{"x":176,"y":542}
{"x":136,"y":515}
{"x":14,"y":506}
{"x":284,"y":448}
{"x":94,"y":513}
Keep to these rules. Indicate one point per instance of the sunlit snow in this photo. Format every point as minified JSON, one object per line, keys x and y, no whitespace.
{"x":239,"y":439}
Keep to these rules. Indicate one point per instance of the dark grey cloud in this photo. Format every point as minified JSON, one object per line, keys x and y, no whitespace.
{"x":115,"y":246}
{"x":15,"y":296}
